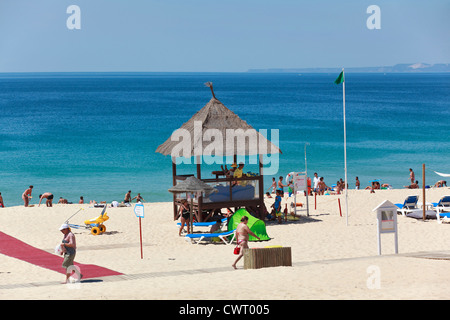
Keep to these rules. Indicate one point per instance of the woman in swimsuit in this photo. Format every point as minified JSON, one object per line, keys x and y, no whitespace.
{"x":26,"y":196}
{"x":185,"y":215}
{"x":242,"y":235}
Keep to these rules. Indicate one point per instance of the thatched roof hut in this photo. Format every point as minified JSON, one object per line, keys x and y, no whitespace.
{"x":217,"y":131}
{"x":215,"y":116}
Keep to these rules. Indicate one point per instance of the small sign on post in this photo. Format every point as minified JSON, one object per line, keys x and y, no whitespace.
{"x":139,"y":212}
{"x":300,"y":182}
{"x":386,"y":222}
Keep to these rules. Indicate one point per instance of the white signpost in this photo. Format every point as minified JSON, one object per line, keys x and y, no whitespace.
{"x":300,"y":183}
{"x":139,"y":212}
{"x":386,"y":222}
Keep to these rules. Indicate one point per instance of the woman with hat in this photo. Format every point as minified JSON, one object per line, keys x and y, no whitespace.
{"x":68,"y":248}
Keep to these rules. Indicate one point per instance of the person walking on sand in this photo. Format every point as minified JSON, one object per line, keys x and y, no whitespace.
{"x":26,"y":196}
{"x":48,"y":196}
{"x":2,"y":205}
{"x":243,"y":233}
{"x":68,"y":249}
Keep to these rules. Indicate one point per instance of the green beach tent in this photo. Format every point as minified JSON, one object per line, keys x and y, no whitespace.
{"x":256,"y":225}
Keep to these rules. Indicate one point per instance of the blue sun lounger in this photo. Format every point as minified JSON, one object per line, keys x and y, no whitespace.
{"x":442,"y":205}
{"x":206,"y":224}
{"x":442,"y":209}
{"x":409,"y":204}
{"x":200,"y":236}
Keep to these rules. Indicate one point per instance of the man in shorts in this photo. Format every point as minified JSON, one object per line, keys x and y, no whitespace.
{"x":48,"y":196}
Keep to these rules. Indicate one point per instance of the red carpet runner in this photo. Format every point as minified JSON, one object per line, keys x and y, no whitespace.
{"x":15,"y":248}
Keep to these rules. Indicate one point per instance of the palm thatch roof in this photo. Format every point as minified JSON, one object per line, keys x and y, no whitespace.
{"x":214,"y":115}
{"x":192,"y":184}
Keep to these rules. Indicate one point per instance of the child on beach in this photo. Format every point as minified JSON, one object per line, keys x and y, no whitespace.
{"x":277,"y":206}
{"x":290,"y":188}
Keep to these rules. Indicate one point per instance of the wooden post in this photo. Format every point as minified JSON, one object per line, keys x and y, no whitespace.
{"x":423,"y":193}
{"x":140,"y":237}
{"x":174,"y":182}
{"x":315,"y":200}
{"x":191,"y":215}
{"x":261,"y":182}
{"x":339,"y":202}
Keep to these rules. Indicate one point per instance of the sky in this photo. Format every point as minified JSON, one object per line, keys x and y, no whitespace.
{"x":219,"y":36}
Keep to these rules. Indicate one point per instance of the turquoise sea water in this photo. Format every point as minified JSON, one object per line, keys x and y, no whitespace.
{"x":95,"y":135}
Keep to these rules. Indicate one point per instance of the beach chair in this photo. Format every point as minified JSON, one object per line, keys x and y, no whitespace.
{"x":206,"y":224}
{"x":442,"y":205}
{"x":201,"y":236}
{"x":409,"y":204}
{"x":442,"y":209}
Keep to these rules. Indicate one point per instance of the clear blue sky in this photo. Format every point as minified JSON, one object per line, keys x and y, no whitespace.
{"x":213,"y":35}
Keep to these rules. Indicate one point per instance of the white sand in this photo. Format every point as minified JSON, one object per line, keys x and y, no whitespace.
{"x":330,"y":260}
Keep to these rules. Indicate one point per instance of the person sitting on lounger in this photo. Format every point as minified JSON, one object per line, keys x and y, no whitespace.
{"x":216,"y":227}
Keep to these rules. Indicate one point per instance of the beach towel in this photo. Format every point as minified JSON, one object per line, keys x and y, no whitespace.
{"x":17,"y":249}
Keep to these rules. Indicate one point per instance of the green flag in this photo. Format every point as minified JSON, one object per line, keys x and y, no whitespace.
{"x":340,"y":79}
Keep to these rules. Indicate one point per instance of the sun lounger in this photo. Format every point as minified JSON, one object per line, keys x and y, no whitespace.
{"x":200,"y":236}
{"x":206,"y":224}
{"x":442,"y":209}
{"x":409,"y":204}
{"x":442,"y":205}
{"x":443,"y":217}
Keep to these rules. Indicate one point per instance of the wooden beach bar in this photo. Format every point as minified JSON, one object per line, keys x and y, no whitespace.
{"x":212,"y":126}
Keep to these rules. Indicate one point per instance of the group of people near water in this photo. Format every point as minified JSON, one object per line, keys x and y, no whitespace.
{"x":48,"y":196}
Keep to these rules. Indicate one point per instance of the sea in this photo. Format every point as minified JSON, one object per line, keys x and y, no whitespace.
{"x":95,"y":134}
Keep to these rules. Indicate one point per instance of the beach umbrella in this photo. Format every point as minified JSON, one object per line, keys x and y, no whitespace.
{"x":192,"y":185}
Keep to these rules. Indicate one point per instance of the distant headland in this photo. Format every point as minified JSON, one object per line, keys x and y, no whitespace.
{"x":398,"y":68}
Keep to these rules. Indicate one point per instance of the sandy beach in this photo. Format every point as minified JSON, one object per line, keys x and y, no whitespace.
{"x":330,"y":259}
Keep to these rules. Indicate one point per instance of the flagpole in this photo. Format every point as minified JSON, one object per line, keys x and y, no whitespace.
{"x":345,"y":152}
